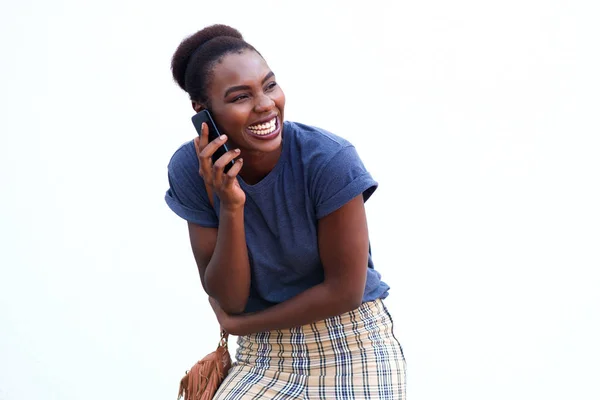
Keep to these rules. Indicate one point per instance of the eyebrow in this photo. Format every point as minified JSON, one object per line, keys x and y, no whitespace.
{"x":246,"y":87}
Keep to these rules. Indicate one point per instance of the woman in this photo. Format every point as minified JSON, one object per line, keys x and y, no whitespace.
{"x":281,"y":238}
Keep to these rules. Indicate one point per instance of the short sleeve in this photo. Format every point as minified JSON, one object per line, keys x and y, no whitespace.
{"x":187,"y":195}
{"x":340,"y":180}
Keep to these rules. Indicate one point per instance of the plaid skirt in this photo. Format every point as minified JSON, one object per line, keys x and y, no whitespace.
{"x":351,"y":356}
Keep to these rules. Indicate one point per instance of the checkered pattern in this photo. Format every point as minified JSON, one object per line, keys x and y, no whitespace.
{"x":352,"y":356}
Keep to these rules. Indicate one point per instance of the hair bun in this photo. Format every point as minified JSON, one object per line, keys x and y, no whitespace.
{"x":189,"y":45}
{"x":214,"y":31}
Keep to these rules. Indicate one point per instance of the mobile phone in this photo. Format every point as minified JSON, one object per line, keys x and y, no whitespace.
{"x":213,"y":133}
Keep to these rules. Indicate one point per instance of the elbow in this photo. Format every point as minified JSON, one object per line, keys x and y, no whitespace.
{"x":232,"y":299}
{"x":229,"y":303}
{"x":354,"y":302}
{"x":233,"y":308}
{"x":348,"y":299}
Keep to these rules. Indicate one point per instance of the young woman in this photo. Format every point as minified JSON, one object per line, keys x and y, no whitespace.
{"x":281,"y":239}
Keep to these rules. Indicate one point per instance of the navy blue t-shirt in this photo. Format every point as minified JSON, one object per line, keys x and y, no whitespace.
{"x":316,"y":174}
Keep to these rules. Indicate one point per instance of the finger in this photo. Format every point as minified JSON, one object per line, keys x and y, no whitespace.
{"x":204,"y":162}
{"x":213,"y":145}
{"x":197,"y":147}
{"x":205,"y":156}
{"x":206,"y":176}
{"x":201,"y":140}
{"x":233,"y":172}
{"x":219,"y":166}
{"x":204,"y":135}
{"x":198,"y":151}
{"x":226,"y":158}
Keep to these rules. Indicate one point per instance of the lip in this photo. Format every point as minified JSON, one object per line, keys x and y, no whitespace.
{"x":271,"y":135}
{"x":262,"y":121}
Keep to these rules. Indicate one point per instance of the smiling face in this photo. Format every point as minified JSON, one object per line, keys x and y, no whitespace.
{"x":246,"y":102}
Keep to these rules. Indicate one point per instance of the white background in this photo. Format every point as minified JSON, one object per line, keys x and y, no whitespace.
{"x":479,"y":119}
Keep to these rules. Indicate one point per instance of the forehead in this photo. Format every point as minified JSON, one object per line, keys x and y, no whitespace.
{"x":246,"y":68}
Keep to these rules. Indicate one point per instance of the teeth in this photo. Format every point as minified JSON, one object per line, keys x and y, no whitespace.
{"x":264,"y":129}
{"x":266,"y":125}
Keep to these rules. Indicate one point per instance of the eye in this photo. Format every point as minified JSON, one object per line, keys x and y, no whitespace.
{"x":239,"y":98}
{"x":271,"y":85}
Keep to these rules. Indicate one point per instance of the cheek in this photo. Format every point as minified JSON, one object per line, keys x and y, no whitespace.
{"x":280,"y":100}
{"x":233,"y":116}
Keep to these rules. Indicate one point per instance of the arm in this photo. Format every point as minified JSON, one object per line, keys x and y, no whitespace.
{"x":222,"y":259}
{"x":344,"y":247}
{"x":221,"y":254}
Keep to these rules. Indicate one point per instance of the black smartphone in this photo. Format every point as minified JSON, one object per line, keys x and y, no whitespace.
{"x":213,"y":133}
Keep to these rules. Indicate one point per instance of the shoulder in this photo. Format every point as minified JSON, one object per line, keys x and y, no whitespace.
{"x":315,"y":138}
{"x":183,"y":170}
{"x":334,"y":170}
{"x":184,"y":157}
{"x":187,"y":195}
{"x":314,"y":147}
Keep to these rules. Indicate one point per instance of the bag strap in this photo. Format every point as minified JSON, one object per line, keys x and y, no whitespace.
{"x":224,"y":338}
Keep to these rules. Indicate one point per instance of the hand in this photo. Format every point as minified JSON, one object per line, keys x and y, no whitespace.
{"x":225,"y":320}
{"x":224,"y":185}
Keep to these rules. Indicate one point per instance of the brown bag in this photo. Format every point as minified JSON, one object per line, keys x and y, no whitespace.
{"x":204,"y":378}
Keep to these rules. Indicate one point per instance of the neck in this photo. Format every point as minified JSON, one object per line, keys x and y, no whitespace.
{"x":257,"y":165}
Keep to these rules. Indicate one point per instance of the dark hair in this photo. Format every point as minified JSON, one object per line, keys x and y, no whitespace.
{"x":194,"y":59}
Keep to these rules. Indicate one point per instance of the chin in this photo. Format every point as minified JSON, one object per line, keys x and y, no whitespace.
{"x":267,"y":146}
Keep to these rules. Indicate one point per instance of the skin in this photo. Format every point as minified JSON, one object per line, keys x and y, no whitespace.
{"x":243,"y":92}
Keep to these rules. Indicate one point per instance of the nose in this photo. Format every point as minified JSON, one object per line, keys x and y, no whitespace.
{"x":263,"y":103}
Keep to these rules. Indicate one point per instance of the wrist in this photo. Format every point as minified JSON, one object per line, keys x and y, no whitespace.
{"x":231,"y":210}
{"x":236,"y":325}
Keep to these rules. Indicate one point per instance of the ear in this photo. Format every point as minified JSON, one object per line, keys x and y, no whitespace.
{"x":198,"y":106}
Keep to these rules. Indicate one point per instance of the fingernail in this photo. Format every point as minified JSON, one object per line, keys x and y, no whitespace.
{"x":223,"y":137}
{"x":237,"y":150}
